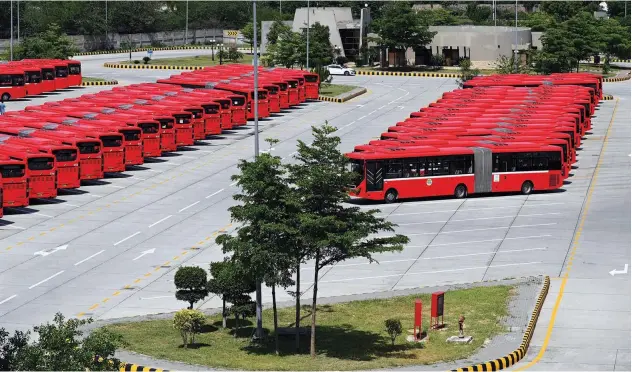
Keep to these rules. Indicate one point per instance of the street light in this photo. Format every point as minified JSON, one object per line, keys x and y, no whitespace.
{"x":212,"y":41}
{"x":219,"y":51}
{"x":11,"y":44}
{"x":307,"y":62}
{"x":186,"y":25}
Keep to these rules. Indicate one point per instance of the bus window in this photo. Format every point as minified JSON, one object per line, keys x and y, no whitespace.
{"x":74,"y":69}
{"x":12,"y":171}
{"x":5,"y":80}
{"x":394,"y":169}
{"x":40,"y":164}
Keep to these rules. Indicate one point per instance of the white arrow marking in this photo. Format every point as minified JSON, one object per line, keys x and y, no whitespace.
{"x":44,"y":253}
{"x":624,"y":271}
{"x":144,"y":253}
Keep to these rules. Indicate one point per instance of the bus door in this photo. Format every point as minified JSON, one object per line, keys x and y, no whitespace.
{"x":374,"y":175}
{"x":483,"y":170}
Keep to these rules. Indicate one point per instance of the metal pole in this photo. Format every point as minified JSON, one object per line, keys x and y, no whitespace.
{"x":107,"y":42}
{"x":307,"y":62}
{"x":259,"y":330}
{"x":516,"y":52}
{"x":18,"y":21}
{"x":186,"y":26}
{"x":11,"y":43}
{"x":280,"y":11}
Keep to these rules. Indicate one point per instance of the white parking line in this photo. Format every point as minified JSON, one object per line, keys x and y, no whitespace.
{"x":137,"y":178}
{"x":473,"y":209}
{"x":188,"y":206}
{"x":8,"y":299}
{"x":86,"y":259}
{"x":159,"y":221}
{"x":425,"y":272}
{"x":153,"y":170}
{"x":45,"y":280}
{"x":129,"y":237}
{"x":485,"y":229}
{"x":479,"y":219}
{"x":215,"y":193}
{"x":234,"y":183}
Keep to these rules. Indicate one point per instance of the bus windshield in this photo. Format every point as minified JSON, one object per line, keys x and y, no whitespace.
{"x":65,"y":155}
{"x":111,"y":141}
{"x":40,"y":164}
{"x":357,"y":167}
{"x":75,"y":69}
{"x":88,"y":147}
{"x":12,"y":170}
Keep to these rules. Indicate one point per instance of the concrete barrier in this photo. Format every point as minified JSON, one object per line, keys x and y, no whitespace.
{"x":616,"y":79}
{"x":418,"y":74}
{"x":608,"y":97}
{"x":151,"y":67}
{"x":127,"y":367}
{"x":515,"y":356}
{"x":144,"y":49}
{"x":98,"y":83}
{"x":344,"y":97}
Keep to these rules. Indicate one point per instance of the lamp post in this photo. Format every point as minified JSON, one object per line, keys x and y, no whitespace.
{"x":219,"y":51}
{"x":516,"y":52}
{"x":107,"y":42}
{"x":11,"y":43}
{"x":307,"y":61}
{"x":18,"y":21}
{"x":212,"y":49}
{"x":186,"y":25}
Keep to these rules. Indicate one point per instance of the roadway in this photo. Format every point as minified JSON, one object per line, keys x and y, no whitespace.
{"x":110,"y":249}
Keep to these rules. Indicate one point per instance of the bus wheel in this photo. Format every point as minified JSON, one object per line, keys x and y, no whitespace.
{"x":391,"y":196}
{"x":460,"y":192}
{"x":6,"y":97}
{"x":526,"y":188}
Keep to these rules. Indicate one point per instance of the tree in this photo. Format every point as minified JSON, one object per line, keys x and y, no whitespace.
{"x":188,"y":323}
{"x":614,"y":39}
{"x":539,"y":21}
{"x":249,"y":34}
{"x":263,"y":244}
{"x":321,"y":52}
{"x":323,"y":74}
{"x":285,"y":51}
{"x":331,"y":232}
{"x":507,"y":65}
{"x":400,"y":27}
{"x":51,"y":44}
{"x":277,"y":28}
{"x":61,"y":347}
{"x":227,"y":281}
{"x":10,"y":347}
{"x":393,"y":328}
{"x":466,"y":71}
{"x":561,"y":10}
{"x":190,"y":282}
{"x":582,"y":28}
{"x":244,"y":307}
{"x":234,"y":55}
{"x":557,"y":52}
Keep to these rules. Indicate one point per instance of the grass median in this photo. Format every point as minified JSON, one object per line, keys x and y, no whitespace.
{"x":332,"y":90}
{"x":201,"y":61}
{"x":349,"y":336}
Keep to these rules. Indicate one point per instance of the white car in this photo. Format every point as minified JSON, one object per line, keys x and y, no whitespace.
{"x":340,"y":70}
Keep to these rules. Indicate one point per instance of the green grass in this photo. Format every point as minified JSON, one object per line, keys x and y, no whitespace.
{"x":204,"y":60}
{"x":350,"y":336}
{"x":87,"y":79}
{"x":332,"y":90}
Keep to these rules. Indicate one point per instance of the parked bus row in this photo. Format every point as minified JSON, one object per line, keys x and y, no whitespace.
{"x":57,"y":145}
{"x":30,"y":77}
{"x":512,"y":136}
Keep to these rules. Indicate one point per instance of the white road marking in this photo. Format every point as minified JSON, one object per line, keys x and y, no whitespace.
{"x":479,"y":219}
{"x":381,"y":107}
{"x":15,"y":227}
{"x":118,"y":187}
{"x":137,"y":178}
{"x":186,"y":157}
{"x":153,"y":170}
{"x":480,"y":241}
{"x":436,"y":258}
{"x":485,"y":229}
{"x":473,"y":209}
{"x":188,"y":206}
{"x":71,"y":205}
{"x":95,"y":195}
{"x":176,"y":164}
{"x":152,"y":298}
{"x":362,"y":117}
{"x":42,"y":214}
{"x":234,"y":183}
{"x":87,"y":258}
{"x":129,"y":237}
{"x":45,"y":280}
{"x":157,"y":222}
{"x":45,"y":253}
{"x":215,"y":193}
{"x":8,"y":299}
{"x":143,"y":253}
{"x":426,"y":272}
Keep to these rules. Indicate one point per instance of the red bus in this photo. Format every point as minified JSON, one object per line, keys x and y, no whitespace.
{"x":74,"y":72}
{"x":14,"y":182}
{"x":395,"y":174}
{"x":32,"y":77}
{"x":12,"y":85}
{"x":40,"y":170}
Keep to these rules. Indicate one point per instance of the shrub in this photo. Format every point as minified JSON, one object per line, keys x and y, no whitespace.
{"x":146,"y":59}
{"x":341,"y":60}
{"x":136,"y":61}
{"x":234,"y":55}
{"x":188,"y":323}
{"x":190,"y":284}
{"x":393,"y":328}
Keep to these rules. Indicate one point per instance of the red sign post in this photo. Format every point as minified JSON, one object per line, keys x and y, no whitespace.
{"x":418,"y":320}
{"x":436,"y":310}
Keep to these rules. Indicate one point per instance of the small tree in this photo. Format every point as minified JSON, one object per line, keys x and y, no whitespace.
{"x":244,"y":307}
{"x":323,"y":74}
{"x":10,"y":346}
{"x":234,"y":55}
{"x":146,"y":59}
{"x":51,"y":44}
{"x":191,"y":284}
{"x":467,"y":72}
{"x":188,"y":323}
{"x":227,"y":281}
{"x":393,"y":328}
{"x":437,"y":60}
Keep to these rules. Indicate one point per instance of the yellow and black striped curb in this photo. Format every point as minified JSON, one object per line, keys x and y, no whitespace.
{"x":608,"y":97}
{"x":519,"y":353}
{"x":94,"y":83}
{"x":151,"y":67}
{"x":419,"y":74}
{"x":615,"y":79}
{"x":143,"y":49}
{"x":137,"y":368}
{"x":337,"y":99}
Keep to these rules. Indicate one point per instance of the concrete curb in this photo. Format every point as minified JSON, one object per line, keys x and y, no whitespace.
{"x":419,"y":74}
{"x":616,"y":79}
{"x":144,"y":49}
{"x":344,"y":97}
{"x":151,"y":67}
{"x":95,"y":83}
{"x":518,"y":354}
{"x":137,"y":368}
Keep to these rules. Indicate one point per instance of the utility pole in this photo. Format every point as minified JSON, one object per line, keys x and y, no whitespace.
{"x":18,"y":21}
{"x":11,"y":43}
{"x":280,"y":11}
{"x":516,"y":52}
{"x":307,"y":62}
{"x":186,"y":25}
{"x":255,"y":106}
{"x":107,"y":41}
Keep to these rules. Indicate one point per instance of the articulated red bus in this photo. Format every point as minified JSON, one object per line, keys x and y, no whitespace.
{"x":394,"y":174}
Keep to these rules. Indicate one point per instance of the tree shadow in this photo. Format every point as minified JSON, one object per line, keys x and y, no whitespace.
{"x":209,"y":328}
{"x":194,"y":346}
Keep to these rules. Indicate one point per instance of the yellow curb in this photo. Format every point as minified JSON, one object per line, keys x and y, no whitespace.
{"x":151,"y":67}
{"x":341,"y":100}
{"x":417,"y":74}
{"x":616,"y":79}
{"x":128,"y":367}
{"x":514,"y":357}
{"x":95,"y":83}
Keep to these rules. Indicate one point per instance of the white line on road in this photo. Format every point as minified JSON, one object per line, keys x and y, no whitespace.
{"x":14,"y":227}
{"x":118,"y":187}
{"x":86,"y":259}
{"x":8,"y":299}
{"x":153,"y":170}
{"x":479,"y":219}
{"x":426,"y":272}
{"x":129,"y":237}
{"x":95,"y":195}
{"x":45,"y":280}
{"x":188,"y":206}
{"x":71,"y":205}
{"x":215,"y":193}
{"x":157,"y":222}
{"x":487,"y":228}
{"x":480,"y":241}
{"x":381,"y":107}
{"x":176,"y":164}
{"x":155,"y":297}
{"x":137,"y":178}
{"x":234,"y":183}
{"x":436,"y":258}
{"x":362,"y":117}
{"x":186,"y":157}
